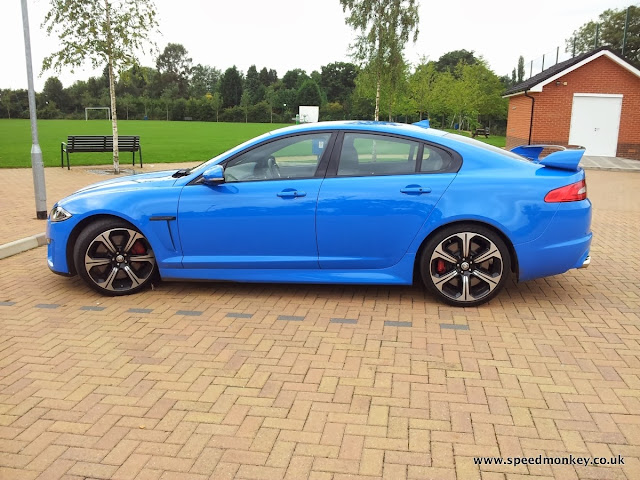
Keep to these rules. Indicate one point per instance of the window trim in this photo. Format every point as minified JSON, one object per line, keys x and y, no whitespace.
{"x":456,"y":159}
{"x":332,"y":170}
{"x":320,"y":169}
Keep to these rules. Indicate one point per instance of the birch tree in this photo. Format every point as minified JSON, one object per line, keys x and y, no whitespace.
{"x":384,"y":28}
{"x":103,"y":32}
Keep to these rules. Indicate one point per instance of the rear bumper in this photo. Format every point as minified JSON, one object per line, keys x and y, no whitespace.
{"x":564,"y":245}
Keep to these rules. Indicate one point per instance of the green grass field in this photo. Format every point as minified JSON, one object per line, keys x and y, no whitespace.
{"x":495,"y":140}
{"x":161,"y":141}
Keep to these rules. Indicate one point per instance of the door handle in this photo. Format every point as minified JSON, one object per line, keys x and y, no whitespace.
{"x":415,"y":190}
{"x":291,"y":193}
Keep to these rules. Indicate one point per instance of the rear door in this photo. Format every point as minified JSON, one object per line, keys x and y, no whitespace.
{"x":379,"y":191}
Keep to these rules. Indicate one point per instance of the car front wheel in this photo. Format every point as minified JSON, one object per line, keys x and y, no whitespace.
{"x":114,"y":258}
{"x":465,"y":265}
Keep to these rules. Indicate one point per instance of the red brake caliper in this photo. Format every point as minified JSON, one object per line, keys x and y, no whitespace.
{"x":440,"y":266}
{"x":138,"y":248}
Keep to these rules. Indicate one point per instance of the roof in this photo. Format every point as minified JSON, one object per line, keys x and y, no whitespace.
{"x":535,"y":83}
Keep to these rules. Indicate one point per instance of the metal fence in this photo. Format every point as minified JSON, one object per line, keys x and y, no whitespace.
{"x":546,"y":60}
{"x":561,"y":53}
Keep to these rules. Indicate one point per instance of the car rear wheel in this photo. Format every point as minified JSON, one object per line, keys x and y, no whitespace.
{"x":114,"y":258}
{"x":465,"y":265}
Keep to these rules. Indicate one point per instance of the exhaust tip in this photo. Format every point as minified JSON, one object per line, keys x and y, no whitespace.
{"x":587,"y":262}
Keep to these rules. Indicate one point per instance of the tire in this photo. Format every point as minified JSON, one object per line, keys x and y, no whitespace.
{"x":465,"y":265}
{"x":114,"y":258}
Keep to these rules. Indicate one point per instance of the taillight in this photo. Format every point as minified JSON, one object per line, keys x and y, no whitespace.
{"x":570,"y":193}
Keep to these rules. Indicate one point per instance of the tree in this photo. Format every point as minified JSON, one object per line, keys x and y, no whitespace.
{"x":272,"y":100}
{"x":54,"y":92}
{"x":268,"y":77}
{"x":216,"y":103}
{"x":421,"y":85}
{"x":133,"y":81}
{"x":231,"y":87}
{"x":6,"y":97}
{"x":309,"y":94}
{"x":294,"y":79}
{"x":450,"y":60}
{"x":338,"y":80}
{"x":204,"y":79}
{"x":174,"y":67}
{"x":108,"y":32}
{"x":520,"y":69}
{"x":245,"y":101}
{"x":253,"y":86}
{"x":385,"y":27}
{"x":611,"y":32}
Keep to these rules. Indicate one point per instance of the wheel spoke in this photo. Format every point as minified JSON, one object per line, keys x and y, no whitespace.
{"x":439,"y":252}
{"x":134,"y":278}
{"x":466,"y":244}
{"x":133,"y":236}
{"x":106,"y":241}
{"x":147,"y":257}
{"x":492,"y":251}
{"x":492,"y":282}
{"x":466,"y":294}
{"x":96,"y":262}
{"x":441,"y":281}
{"x":108,"y":283}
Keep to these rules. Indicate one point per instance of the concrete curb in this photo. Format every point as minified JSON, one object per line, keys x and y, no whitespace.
{"x":22,"y":245}
{"x":612,"y":169}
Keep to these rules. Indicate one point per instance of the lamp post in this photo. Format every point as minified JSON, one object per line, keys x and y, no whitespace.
{"x":284,"y":112}
{"x":37,"y":166}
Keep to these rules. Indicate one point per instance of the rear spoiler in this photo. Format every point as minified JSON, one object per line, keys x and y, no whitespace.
{"x":563,"y":159}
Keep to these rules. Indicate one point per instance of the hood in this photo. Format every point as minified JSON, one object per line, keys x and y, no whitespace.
{"x":130,"y":181}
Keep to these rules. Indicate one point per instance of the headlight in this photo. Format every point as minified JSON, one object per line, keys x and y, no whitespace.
{"x":58,"y":214}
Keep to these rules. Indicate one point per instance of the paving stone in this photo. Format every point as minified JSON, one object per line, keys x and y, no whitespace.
{"x":143,"y":391}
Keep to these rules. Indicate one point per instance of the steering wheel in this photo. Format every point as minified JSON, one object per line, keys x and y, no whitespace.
{"x":274,"y":169}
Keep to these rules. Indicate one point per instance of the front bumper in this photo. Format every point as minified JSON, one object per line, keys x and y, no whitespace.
{"x":57,"y":236}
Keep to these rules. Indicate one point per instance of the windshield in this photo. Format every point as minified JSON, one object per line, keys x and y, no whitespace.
{"x":486,"y":146}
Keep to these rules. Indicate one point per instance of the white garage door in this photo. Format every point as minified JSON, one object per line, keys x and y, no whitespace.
{"x":595,"y":120}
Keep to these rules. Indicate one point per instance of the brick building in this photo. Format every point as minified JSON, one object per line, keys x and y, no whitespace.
{"x":592,"y":100}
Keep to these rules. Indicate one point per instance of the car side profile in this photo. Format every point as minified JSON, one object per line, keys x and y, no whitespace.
{"x":334,"y":202}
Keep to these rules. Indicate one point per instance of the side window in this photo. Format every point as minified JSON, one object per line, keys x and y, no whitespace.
{"x":435,"y":160}
{"x":291,"y":157}
{"x":366,"y":155}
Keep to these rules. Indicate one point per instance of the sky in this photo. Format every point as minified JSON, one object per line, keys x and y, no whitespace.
{"x":287,"y":34}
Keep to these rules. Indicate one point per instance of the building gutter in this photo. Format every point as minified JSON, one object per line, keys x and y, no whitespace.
{"x":533,"y":104}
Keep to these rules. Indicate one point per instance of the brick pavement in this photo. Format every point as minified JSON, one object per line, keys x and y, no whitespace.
{"x":198,"y":380}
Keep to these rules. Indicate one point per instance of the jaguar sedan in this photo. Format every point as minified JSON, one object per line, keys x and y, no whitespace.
{"x":335,"y":202}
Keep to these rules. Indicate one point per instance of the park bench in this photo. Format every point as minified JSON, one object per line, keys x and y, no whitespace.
{"x":481,"y":131}
{"x":99,"y":143}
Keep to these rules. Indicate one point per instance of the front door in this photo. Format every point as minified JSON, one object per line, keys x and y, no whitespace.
{"x":263,"y":215}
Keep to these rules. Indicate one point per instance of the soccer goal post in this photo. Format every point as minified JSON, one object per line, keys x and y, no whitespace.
{"x":86,"y":111}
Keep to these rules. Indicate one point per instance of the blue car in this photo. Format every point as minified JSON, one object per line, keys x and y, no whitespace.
{"x":335,"y":202}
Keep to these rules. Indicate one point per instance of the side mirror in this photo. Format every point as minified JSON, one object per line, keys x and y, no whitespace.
{"x":213,"y":175}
